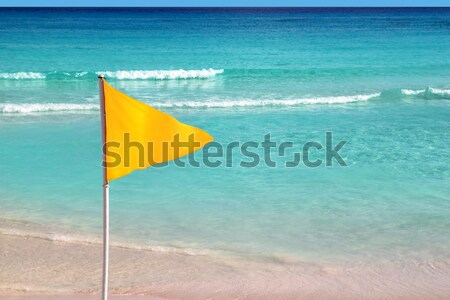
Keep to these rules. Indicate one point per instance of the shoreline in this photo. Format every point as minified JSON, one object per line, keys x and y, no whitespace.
{"x":35,"y":268}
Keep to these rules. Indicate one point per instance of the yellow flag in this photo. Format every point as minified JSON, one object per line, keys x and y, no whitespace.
{"x":139,"y":136}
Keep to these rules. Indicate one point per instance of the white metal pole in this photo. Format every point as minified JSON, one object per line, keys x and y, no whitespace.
{"x":105,"y":193}
{"x":105,"y":241}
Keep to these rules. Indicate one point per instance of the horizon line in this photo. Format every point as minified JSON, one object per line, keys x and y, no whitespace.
{"x":45,"y":6}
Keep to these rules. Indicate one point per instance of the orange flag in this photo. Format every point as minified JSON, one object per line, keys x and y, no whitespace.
{"x":138,"y":136}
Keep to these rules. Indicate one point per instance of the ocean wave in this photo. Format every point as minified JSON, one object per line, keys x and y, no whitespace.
{"x":162,"y":74}
{"x":426,"y":92}
{"x":260,"y":103}
{"x":22,"y":75}
{"x":412,"y":92}
{"x":118,"y":75}
{"x":388,"y":95}
{"x":441,"y":92}
{"x":27,"y":108}
{"x":26,"y":230}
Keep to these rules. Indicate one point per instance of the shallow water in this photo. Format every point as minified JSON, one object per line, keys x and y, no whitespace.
{"x":376,"y":78}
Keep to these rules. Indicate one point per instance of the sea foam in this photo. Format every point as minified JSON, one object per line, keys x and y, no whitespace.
{"x":22,"y":75}
{"x":119,"y":75}
{"x":268,"y":102}
{"x":440,"y":92}
{"x":31,"y":230}
{"x":162,"y":74}
{"x":27,"y":108}
{"x":412,"y":92}
{"x":427,"y":91}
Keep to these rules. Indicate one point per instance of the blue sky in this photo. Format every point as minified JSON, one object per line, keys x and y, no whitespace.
{"x":224,"y":3}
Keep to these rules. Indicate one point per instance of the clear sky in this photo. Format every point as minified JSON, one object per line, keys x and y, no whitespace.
{"x":224,"y":3}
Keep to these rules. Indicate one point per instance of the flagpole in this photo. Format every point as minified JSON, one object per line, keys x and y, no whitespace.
{"x":105,"y":192}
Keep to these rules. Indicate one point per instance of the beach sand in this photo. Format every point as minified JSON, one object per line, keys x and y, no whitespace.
{"x":33,"y":268}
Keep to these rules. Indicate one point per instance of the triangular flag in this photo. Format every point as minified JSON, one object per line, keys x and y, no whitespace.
{"x":138,"y":136}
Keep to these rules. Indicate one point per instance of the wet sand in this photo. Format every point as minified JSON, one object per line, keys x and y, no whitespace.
{"x":34,"y":268}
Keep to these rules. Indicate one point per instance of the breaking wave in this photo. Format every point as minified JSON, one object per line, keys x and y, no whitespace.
{"x":22,"y":75}
{"x":412,"y":92}
{"x":256,"y":103}
{"x":119,"y":75}
{"x":27,"y":108}
{"x":162,"y":74}
{"x":427,"y":92}
{"x":388,"y":95}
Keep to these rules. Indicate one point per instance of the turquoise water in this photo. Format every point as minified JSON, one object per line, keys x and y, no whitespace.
{"x":376,"y":78}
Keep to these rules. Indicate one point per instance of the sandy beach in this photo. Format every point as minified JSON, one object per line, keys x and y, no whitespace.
{"x":323,"y":169}
{"x":34,"y":268}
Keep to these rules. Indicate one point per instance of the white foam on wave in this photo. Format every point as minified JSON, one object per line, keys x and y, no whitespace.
{"x":440,"y":92}
{"x":166,"y":249}
{"x":162,"y":74}
{"x":433,"y":91}
{"x":412,"y":92}
{"x":27,"y":108}
{"x":269,"y":102}
{"x":50,"y":236}
{"x":80,"y":74}
{"x":121,"y":75}
{"x":22,"y":75}
{"x":71,"y":238}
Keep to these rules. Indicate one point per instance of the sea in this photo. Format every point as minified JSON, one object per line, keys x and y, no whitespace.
{"x":377,"y":79}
